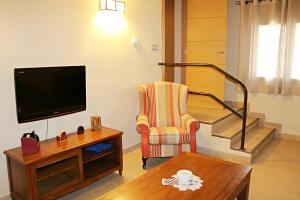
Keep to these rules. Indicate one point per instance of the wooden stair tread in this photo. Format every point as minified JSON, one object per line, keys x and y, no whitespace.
{"x":233,"y":128}
{"x":254,"y":138}
{"x":209,"y":115}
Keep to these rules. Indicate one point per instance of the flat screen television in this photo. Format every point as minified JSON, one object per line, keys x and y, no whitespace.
{"x":47,"y":92}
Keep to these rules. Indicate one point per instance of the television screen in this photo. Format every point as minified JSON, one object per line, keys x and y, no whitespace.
{"x":47,"y":92}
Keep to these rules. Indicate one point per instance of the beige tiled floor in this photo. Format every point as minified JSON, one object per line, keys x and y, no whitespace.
{"x":276,"y":172}
{"x":132,"y":169}
{"x":275,"y":176}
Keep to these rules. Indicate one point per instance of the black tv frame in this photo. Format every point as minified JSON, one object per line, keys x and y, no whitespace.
{"x":50,"y":113}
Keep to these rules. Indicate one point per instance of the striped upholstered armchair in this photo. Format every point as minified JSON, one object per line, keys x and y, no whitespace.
{"x":163,"y":123}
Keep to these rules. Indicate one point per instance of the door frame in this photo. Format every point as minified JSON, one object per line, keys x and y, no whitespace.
{"x":168,"y":24}
{"x":183,"y":38}
{"x":168,"y":27}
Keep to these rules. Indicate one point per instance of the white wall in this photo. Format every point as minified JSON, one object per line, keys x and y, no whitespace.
{"x":233,"y":26}
{"x":278,"y":109}
{"x":62,"y":32}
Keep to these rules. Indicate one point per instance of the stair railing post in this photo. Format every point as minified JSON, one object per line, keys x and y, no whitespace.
{"x":244,"y":118}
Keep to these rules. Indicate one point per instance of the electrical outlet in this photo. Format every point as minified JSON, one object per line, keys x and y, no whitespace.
{"x":155,"y":47}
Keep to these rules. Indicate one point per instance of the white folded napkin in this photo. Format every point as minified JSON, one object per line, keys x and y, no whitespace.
{"x":194,"y":184}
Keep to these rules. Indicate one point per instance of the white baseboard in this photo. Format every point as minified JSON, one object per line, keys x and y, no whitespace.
{"x":131,"y":148}
{"x":225,"y":156}
{"x":7,"y":197}
{"x":288,"y":136}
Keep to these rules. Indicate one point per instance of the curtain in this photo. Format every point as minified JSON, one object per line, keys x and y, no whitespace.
{"x":268,"y":44}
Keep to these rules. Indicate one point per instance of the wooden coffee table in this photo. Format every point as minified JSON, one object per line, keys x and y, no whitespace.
{"x":222,"y":180}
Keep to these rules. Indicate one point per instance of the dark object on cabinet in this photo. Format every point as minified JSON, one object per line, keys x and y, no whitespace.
{"x":30,"y":143}
{"x":61,"y":137}
{"x":80,"y":130}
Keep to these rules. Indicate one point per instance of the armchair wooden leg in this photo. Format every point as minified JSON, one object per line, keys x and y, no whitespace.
{"x":144,"y":159}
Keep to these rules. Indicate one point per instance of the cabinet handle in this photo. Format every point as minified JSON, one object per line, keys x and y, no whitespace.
{"x":220,"y":52}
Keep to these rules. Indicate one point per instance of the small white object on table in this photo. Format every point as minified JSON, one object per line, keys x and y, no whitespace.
{"x":184,"y":180}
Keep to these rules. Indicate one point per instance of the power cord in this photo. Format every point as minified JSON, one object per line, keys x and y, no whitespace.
{"x":47,"y":130}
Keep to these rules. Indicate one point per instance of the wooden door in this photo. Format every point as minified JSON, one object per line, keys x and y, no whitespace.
{"x":205,"y":42}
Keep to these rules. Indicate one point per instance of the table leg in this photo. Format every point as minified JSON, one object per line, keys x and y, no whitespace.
{"x":244,"y":193}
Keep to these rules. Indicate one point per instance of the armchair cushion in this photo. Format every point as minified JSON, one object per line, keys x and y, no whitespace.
{"x":168,"y":135}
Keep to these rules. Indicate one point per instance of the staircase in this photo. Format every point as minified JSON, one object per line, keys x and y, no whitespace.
{"x":221,"y":129}
{"x":220,"y":133}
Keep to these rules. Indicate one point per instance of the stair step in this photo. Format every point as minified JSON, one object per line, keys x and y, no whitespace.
{"x":254,"y":139}
{"x":210,"y":115}
{"x":233,"y":128}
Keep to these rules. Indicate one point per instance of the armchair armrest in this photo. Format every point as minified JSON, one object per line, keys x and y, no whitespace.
{"x":142,"y":124}
{"x":189,"y":123}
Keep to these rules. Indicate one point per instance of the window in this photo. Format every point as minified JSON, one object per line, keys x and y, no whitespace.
{"x":267,"y":50}
{"x":296,"y":54}
{"x":268,"y":43}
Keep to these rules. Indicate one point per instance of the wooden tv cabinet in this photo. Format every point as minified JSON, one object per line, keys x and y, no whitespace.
{"x":62,"y":167}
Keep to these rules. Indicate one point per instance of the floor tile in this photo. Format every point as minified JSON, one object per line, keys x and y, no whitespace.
{"x":275,"y":175}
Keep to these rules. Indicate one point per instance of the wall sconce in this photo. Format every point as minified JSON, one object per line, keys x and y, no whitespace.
{"x":113,"y":5}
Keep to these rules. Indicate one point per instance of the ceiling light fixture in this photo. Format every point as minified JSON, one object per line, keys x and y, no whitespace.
{"x":112,"y":5}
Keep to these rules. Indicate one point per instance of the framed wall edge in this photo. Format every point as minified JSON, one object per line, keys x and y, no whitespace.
{"x":183,"y":39}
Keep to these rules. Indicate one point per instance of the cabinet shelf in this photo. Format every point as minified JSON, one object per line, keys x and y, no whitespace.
{"x":98,"y":166}
{"x":89,"y":156}
{"x":56,"y":168}
{"x":54,"y":182}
